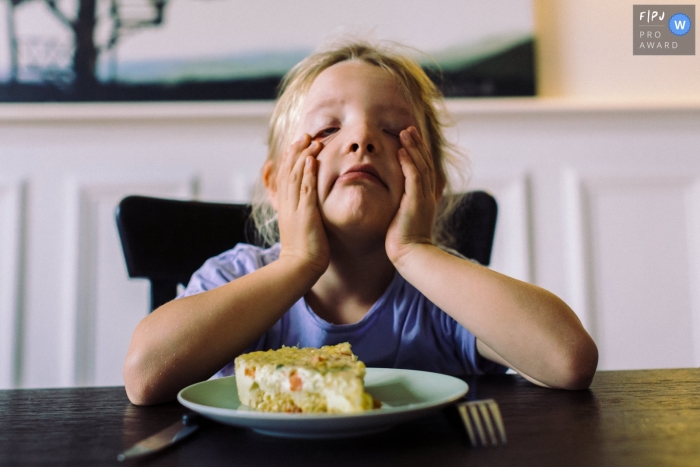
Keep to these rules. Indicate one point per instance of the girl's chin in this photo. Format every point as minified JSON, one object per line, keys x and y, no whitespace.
{"x":360,"y":201}
{"x":357,"y":227}
{"x":359,"y":212}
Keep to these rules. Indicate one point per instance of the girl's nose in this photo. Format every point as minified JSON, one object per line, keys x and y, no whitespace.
{"x":355,"y":147}
{"x":362,"y":140}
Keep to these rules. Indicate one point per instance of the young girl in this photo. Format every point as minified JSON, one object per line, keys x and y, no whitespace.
{"x":354,"y":181}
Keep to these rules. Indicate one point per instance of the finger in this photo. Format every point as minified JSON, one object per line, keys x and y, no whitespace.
{"x":410,"y":173}
{"x":286,"y":173}
{"x":427,"y":157}
{"x":423,"y":145}
{"x":294,"y":149}
{"x":419,"y":161}
{"x":285,"y":165}
{"x":311,"y":151}
{"x":297,"y":173}
{"x":308,"y":195}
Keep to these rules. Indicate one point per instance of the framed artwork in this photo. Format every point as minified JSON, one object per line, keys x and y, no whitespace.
{"x":183,"y":50}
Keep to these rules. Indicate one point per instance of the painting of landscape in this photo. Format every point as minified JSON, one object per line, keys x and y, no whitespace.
{"x":189,"y":50}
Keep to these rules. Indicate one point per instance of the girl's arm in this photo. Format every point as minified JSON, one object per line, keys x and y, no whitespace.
{"x":190,"y":339}
{"x":516,"y":324}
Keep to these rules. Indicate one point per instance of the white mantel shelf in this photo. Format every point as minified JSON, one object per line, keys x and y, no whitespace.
{"x":236,"y":110}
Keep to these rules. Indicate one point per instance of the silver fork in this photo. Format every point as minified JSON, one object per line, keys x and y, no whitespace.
{"x":482,"y":417}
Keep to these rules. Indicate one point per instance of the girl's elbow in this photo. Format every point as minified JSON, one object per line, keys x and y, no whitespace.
{"x":136,"y":391}
{"x":141,"y":387}
{"x":137,"y":395}
{"x":579,"y":366}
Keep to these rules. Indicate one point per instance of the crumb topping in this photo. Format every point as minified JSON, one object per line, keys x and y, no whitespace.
{"x":330,"y":358}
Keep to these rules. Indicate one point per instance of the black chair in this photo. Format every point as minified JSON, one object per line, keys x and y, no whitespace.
{"x":472,"y":226}
{"x":166,"y":240}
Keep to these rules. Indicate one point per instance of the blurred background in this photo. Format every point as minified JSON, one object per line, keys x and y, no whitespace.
{"x":593,"y":154}
{"x":132,"y":50}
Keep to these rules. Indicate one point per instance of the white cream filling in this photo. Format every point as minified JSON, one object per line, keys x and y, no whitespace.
{"x":341,"y":390}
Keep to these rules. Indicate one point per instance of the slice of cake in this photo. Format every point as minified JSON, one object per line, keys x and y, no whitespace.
{"x":309,"y":380}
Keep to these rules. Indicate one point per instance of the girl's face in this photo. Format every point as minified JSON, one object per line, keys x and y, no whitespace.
{"x":357,"y":111}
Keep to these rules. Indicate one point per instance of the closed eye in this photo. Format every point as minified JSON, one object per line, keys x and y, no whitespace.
{"x":394,"y":133}
{"x":326,"y":132}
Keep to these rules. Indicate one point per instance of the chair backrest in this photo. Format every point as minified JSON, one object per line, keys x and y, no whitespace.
{"x":166,"y":240}
{"x":472,"y":225}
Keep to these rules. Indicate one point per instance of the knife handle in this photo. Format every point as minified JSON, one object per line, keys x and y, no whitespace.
{"x":190,"y":418}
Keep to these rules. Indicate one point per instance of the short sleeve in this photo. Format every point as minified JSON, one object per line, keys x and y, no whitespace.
{"x":466,"y":342}
{"x":232,"y":264}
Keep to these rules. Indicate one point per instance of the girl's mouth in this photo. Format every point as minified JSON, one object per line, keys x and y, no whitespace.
{"x":361,"y":172}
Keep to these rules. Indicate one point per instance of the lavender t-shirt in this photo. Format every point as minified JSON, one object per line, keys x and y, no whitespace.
{"x":403,"y":329}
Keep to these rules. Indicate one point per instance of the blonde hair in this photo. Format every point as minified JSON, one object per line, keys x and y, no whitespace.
{"x":423,"y":96}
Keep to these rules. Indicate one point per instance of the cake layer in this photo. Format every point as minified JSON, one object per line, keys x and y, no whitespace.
{"x":309,"y":380}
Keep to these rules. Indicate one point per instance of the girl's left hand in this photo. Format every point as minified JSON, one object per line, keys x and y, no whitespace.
{"x":413,"y":223}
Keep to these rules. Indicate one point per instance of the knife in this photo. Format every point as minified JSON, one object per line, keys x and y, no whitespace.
{"x":167,"y":437}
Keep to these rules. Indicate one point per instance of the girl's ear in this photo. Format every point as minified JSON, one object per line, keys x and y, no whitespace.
{"x":269,"y":176}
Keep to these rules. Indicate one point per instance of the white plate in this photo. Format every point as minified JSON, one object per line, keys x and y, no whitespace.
{"x":405,"y":395}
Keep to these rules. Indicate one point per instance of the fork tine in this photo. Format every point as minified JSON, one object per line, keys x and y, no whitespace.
{"x":486,"y":417}
{"x":474,"y":412}
{"x":477,"y":414}
{"x":467,"y":424}
{"x":497,"y":419}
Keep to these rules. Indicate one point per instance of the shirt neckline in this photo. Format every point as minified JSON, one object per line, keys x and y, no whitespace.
{"x":366,"y":320}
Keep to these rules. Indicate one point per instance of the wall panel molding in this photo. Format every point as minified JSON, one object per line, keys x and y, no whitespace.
{"x":12,"y":228}
{"x":87,"y":196}
{"x":513,"y":246}
{"x":588,"y":199}
{"x":693,"y":209}
{"x":578,"y":250}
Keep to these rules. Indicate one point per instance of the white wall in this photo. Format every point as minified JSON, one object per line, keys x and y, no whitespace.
{"x":585,"y":51}
{"x":598,"y":187}
{"x":597,"y":204}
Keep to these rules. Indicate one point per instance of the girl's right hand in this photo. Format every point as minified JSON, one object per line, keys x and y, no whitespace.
{"x":302,"y":235}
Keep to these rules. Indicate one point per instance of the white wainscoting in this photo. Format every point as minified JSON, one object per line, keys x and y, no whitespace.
{"x":99,"y":298}
{"x":598,"y":202}
{"x":11,"y":268}
{"x":634,"y":234}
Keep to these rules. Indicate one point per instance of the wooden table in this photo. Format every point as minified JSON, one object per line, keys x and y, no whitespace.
{"x":628,"y":418}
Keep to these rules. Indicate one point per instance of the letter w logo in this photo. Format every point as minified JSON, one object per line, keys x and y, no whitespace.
{"x":680,"y":25}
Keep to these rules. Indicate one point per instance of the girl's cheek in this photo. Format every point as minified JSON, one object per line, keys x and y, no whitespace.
{"x":323,"y":154}
{"x":322,"y":179}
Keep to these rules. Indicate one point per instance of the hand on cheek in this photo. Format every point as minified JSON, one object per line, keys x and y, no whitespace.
{"x":301,"y":228}
{"x":414,"y":219}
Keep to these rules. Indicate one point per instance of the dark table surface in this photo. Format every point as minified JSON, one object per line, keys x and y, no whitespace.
{"x":627,"y":418}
